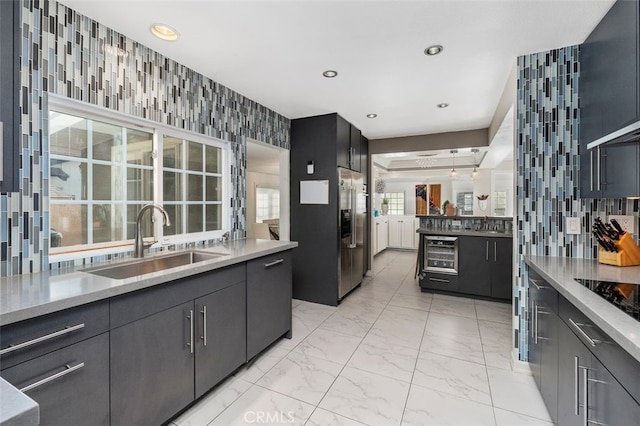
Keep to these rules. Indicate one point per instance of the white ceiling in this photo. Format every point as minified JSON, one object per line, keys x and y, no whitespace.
{"x":274,"y":52}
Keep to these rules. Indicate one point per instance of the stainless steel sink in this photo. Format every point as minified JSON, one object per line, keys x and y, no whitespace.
{"x":149,"y":265}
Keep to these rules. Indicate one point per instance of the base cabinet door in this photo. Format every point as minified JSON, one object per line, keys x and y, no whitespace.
{"x":610,"y":403}
{"x":221,"y":336}
{"x":501,"y":267}
{"x":475,"y":269}
{"x":268,"y":300}
{"x":71,"y":385}
{"x":152,"y":367}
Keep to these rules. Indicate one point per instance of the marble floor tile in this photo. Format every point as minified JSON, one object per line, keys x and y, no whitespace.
{"x":452,"y":325}
{"x":366,"y":397}
{"x":451,"y":298}
{"x":301,"y":377}
{"x":454,"y":346}
{"x":377,"y":356}
{"x":295,"y":302}
{"x":509,"y":418}
{"x":214,"y":403}
{"x":329,"y":345}
{"x":494,"y":311}
{"x":410,"y":286}
{"x":457,"y":306}
{"x":299,"y":332}
{"x":257,"y":405}
{"x":401,"y":313}
{"x":361,"y":303}
{"x":517,"y":392}
{"x":427,"y":407}
{"x":496,"y":343}
{"x":312,"y":314}
{"x":453,"y":376}
{"x":263,"y":362}
{"x":322,"y":417}
{"x":420,"y":301}
{"x":352,"y":319}
{"x":396,"y":330}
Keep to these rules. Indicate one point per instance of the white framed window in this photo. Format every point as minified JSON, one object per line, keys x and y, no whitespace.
{"x":267,"y":203}
{"x":396,"y":202}
{"x":104,"y":167}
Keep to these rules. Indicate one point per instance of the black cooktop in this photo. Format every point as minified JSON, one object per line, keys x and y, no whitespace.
{"x":624,"y":296}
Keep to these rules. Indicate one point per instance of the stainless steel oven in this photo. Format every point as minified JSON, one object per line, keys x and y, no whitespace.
{"x":440,"y":254}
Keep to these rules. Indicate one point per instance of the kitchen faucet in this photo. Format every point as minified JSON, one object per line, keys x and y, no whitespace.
{"x":138,"y":244}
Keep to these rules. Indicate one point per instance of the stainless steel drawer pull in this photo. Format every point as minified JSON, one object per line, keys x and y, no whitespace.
{"x":204,"y":324}
{"x":577,"y":326}
{"x":62,"y":332}
{"x":274,"y":263}
{"x":190,"y":318}
{"x":535,"y":284}
{"x":440,"y":280}
{"x":68,"y":369}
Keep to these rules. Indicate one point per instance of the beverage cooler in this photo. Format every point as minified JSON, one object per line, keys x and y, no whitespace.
{"x":440,"y":254}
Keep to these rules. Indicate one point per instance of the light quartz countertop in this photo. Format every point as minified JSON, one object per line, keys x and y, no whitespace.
{"x":30,"y":295}
{"x":465,"y":232}
{"x":561,"y":272}
{"x":17,"y":409}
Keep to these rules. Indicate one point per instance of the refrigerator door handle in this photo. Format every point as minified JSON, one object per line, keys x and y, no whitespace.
{"x":352,"y":195}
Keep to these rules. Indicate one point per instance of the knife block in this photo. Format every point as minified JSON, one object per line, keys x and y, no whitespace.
{"x":628,"y":254}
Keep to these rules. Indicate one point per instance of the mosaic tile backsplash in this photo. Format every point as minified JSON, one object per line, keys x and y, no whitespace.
{"x":71,"y":55}
{"x":548,"y":119}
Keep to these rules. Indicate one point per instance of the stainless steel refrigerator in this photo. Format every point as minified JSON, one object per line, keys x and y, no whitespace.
{"x":352,"y":213}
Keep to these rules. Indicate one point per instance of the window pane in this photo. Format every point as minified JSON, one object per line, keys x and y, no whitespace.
{"x":107,"y":142}
{"x":146,"y":223}
{"x":175,"y":215}
{"x":102,"y":181}
{"x":68,"y":225}
{"x":214,"y":217}
{"x":194,"y":187}
{"x":172,"y":186}
{"x":172,"y":152}
{"x":67,"y":135}
{"x":213,"y":188}
{"x":107,"y":223}
{"x":194,"y":218}
{"x":68,"y":180}
{"x":139,"y":184}
{"x":213,"y":159}
{"x":194,"y":156}
{"x":139,"y":147}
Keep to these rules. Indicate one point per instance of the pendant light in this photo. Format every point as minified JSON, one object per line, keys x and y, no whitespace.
{"x":474,"y":173}
{"x":453,"y":174}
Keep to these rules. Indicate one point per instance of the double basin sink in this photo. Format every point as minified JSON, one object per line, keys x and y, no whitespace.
{"x":133,"y":268}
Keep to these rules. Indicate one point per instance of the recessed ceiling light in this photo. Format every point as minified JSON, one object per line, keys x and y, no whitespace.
{"x":433,"y":50}
{"x":372,"y":115}
{"x":330,"y":73}
{"x":443,"y":105}
{"x":164,"y":32}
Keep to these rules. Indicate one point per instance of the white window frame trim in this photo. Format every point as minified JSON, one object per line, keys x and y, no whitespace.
{"x":92,"y":112}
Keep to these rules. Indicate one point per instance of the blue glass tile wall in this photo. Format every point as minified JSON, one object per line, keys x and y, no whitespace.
{"x":71,"y":55}
{"x":548,"y":169}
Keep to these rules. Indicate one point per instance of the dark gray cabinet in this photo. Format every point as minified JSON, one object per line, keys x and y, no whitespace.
{"x":609,"y":100}
{"x":152,"y":368}
{"x":439,"y":282}
{"x":543,"y":340}
{"x":475,"y":266}
{"x":220,"y":336}
{"x":584,"y":377}
{"x":71,"y":385}
{"x":486,"y":266}
{"x":268,"y":301}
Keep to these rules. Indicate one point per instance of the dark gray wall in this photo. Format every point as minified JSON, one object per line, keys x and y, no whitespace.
{"x":449,"y":140}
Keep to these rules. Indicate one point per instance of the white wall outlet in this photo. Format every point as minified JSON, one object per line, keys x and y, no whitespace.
{"x":627,"y":222}
{"x":572,"y":225}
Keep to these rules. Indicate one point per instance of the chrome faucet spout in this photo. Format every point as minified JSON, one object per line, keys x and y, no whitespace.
{"x":138,"y":244}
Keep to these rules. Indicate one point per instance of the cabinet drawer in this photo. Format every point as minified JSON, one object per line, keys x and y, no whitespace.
{"x":268,"y":300}
{"x":71,"y":385}
{"x":142,"y":303}
{"x":542,"y":292}
{"x":442,"y":282}
{"x":618,"y":361}
{"x":28,"y":339}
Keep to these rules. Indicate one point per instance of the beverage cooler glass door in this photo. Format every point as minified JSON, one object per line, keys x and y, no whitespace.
{"x":441,"y":254}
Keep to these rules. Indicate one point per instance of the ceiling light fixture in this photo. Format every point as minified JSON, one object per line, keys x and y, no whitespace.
{"x":433,"y":50}
{"x":164,"y":32}
{"x":372,"y":115}
{"x":443,"y":105}
{"x":453,"y":174}
{"x":330,"y":73}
